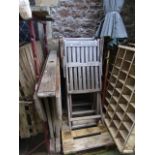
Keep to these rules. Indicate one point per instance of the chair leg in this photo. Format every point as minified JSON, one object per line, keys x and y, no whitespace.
{"x":93,"y":106}
{"x":69,"y":112}
{"x":100,"y":107}
{"x":98,"y":103}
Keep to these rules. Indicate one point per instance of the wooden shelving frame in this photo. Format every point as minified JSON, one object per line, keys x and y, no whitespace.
{"x":120,"y":99}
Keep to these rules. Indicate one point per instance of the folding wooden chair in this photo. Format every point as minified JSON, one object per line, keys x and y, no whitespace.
{"x":82,"y":66}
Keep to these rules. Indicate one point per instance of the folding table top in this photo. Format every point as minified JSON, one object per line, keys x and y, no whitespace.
{"x":47,"y":87}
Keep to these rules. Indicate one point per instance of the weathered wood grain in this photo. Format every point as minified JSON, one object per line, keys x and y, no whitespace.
{"x":47,"y":85}
{"x":27,"y":76}
{"x":120,"y":98}
{"x":85,"y":139}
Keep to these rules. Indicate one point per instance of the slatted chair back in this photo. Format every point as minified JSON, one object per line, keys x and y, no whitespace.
{"x":83,"y":65}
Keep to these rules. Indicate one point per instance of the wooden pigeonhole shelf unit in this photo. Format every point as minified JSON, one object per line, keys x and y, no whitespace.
{"x":120,"y":99}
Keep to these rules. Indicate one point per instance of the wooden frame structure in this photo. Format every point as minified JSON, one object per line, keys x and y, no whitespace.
{"x":120,"y":99}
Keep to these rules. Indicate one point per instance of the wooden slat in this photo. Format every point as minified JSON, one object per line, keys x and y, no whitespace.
{"x":84,"y":91}
{"x":88,"y":64}
{"x":86,"y":117}
{"x":74,"y":69}
{"x":83,"y":112}
{"x":79,"y":68}
{"x":69,"y":110}
{"x":70,"y":69}
{"x":81,"y":43}
{"x":91,"y":68}
{"x":87,"y":131}
{"x":83,"y":69}
{"x":48,"y":81}
{"x":87,"y":68}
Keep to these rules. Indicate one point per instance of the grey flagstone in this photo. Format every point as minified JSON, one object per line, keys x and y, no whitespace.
{"x":112,"y":25}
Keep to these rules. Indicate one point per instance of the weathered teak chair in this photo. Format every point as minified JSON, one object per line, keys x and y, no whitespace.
{"x":82,"y":66}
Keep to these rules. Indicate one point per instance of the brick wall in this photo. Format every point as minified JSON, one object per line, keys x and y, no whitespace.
{"x":80,"y":18}
{"x":77,"y":18}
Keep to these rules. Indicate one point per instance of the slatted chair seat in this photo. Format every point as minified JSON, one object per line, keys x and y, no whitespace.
{"x":82,"y":66}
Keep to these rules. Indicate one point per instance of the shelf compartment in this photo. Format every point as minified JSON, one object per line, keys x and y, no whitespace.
{"x":119,"y":84}
{"x":115,"y":71}
{"x":132,"y":70}
{"x":107,"y":99}
{"x":110,"y":113}
{"x":120,"y":143}
{"x":120,"y":53}
{"x":124,"y":134}
{"x":117,"y":123}
{"x":107,"y":121}
{"x":112,"y":79}
{"x":120,"y":115}
{"x":122,"y":76}
{"x":127,"y":119}
{"x":119,"y":90}
{"x":106,"y":103}
{"x":131,"y":116}
{"x":110,"y":92}
{"x":110,"y":87}
{"x":108,"y":95}
{"x":132,"y":76}
{"x":130,"y":109}
{"x":113,"y":106}
{"x":111,"y":83}
{"x":116,"y":93}
{"x":123,"y":106}
{"x":113,"y":129}
{"x":126,"y":97}
{"x":118,"y":62}
{"x":130,"y":81}
{"x":133,"y":98}
{"x":126,"y":91}
{"x":115,"y":98}
{"x":130,"y":87}
{"x":121,"y":81}
{"x":122,"y":100}
{"x":132,"y":104}
{"x":129,"y":55}
{"x":126,"y":66}
{"x":127,"y":125}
